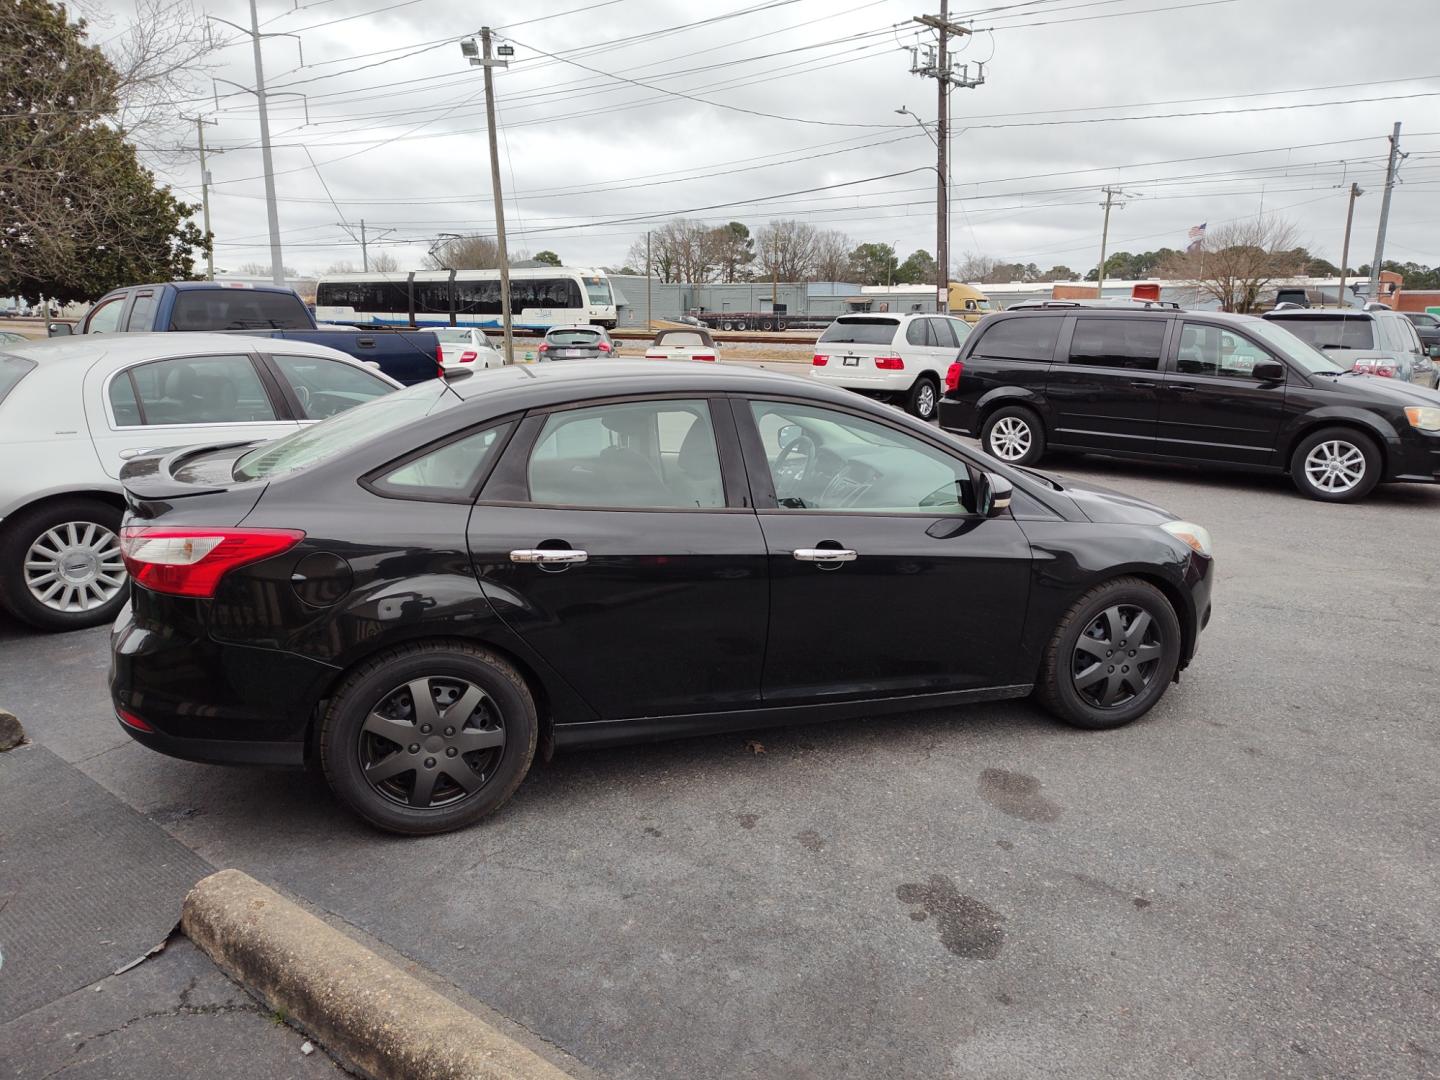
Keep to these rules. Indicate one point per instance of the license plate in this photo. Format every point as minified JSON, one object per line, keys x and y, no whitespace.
{"x":851,"y":361}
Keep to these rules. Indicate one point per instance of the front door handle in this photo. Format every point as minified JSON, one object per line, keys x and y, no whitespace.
{"x":1143,"y":385}
{"x":1180,"y":388}
{"x":548,"y":555}
{"x":825,"y":554}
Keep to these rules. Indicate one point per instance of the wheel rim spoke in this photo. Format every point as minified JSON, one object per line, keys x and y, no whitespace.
{"x":1146,"y":653}
{"x":422,"y":698}
{"x":1139,"y":627}
{"x":424,"y":789}
{"x":1090,"y":676}
{"x":464,"y":706}
{"x":397,"y":731}
{"x":472,"y":739}
{"x":1087,"y":644}
{"x":464,"y":777}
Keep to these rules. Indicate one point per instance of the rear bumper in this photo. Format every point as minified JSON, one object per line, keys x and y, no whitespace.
{"x":868,"y":381}
{"x":958,"y":415}
{"x":208,"y":701}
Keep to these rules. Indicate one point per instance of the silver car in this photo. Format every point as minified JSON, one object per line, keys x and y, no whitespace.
{"x":581,"y":342}
{"x":74,"y":410}
{"x":1378,"y":342}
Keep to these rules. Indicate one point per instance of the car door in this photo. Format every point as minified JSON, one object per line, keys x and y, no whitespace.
{"x":1213,"y":408}
{"x":321,"y":386}
{"x":1105,"y":384}
{"x":882,"y":581}
{"x":179,"y":401}
{"x":616,"y":538}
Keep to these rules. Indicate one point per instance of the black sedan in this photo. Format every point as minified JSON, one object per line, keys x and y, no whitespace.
{"x":416,"y":594}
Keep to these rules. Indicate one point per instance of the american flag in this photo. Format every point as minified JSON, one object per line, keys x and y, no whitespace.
{"x":1197,"y":235}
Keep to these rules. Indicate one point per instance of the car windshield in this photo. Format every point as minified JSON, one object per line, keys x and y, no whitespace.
{"x":344,"y":431}
{"x":12,"y":370}
{"x":597,"y":290}
{"x":1283,"y":340}
{"x":572,"y":337}
{"x":860,"y":331}
{"x":1330,"y":331}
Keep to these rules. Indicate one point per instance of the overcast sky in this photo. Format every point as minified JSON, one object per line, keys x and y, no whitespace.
{"x":399,"y":135}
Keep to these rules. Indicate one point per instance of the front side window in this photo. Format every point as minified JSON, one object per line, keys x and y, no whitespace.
{"x":325,"y":387}
{"x":1118,"y":343}
{"x":860,"y":332}
{"x":822,"y":459}
{"x":597,"y":290}
{"x":1210,"y":350}
{"x":105,"y":319}
{"x":943,"y":332}
{"x":191,"y":390}
{"x":451,"y":470}
{"x":648,"y":454}
{"x":142,"y":313}
{"x":1022,"y":338}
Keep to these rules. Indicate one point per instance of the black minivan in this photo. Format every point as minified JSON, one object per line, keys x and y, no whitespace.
{"x":1195,"y":387}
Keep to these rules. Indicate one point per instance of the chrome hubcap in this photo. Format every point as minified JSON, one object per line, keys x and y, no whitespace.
{"x":925,"y":403}
{"x":1335,"y":466}
{"x":75,"y":567}
{"x":1010,"y":439}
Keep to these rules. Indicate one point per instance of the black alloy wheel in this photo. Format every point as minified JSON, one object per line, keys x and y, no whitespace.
{"x":1112,"y":656}
{"x":429,"y":737}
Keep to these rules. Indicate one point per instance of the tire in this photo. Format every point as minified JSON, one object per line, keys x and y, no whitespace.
{"x":1088,"y":629}
{"x":923,"y":400}
{"x":768,"y":324}
{"x":782,"y":325}
{"x":1013,"y":434}
{"x":727,"y":325}
{"x":1336,"y":464}
{"x":371,"y":725}
{"x":740,"y":324}
{"x":80,"y":538}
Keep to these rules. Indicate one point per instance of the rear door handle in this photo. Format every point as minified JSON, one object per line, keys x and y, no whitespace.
{"x":365,"y":342}
{"x":1180,"y":388}
{"x":825,"y":554}
{"x":136,"y":451}
{"x":548,"y":555}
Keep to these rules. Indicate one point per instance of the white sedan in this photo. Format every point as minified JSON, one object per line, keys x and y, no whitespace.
{"x":467,"y":345}
{"x":73,"y":410}
{"x":683,"y":345}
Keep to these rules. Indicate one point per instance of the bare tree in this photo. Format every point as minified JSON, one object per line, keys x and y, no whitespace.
{"x":832,"y":257}
{"x":384,"y":262}
{"x":345,"y":266}
{"x":1235,"y":262}
{"x":785,"y":250}
{"x":975,"y":267}
{"x":473,"y":252}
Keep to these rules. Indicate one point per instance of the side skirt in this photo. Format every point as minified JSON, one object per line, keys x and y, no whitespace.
{"x":596,"y":733}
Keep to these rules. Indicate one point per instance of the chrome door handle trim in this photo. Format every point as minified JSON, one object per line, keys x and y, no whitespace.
{"x":136,"y":451}
{"x":548,"y":555}
{"x":825,"y":554}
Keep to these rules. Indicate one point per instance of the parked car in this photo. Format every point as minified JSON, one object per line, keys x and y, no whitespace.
{"x":1427,"y":326}
{"x":1371,"y":342}
{"x":901,"y":359}
{"x":74,"y":410}
{"x":580,"y":342}
{"x":467,"y":345}
{"x":1223,"y":391}
{"x":409,"y":356}
{"x":417,"y":593}
{"x":676,"y":344}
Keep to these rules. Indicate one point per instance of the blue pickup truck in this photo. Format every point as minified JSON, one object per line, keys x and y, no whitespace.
{"x":408,"y":356}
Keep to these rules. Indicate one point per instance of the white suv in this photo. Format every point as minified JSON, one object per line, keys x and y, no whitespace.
{"x":901,"y":359}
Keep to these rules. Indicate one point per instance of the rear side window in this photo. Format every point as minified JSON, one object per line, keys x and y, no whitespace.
{"x":453,"y":469}
{"x":861,"y":331}
{"x":1023,"y":338}
{"x":142,"y":313}
{"x":916,"y":333}
{"x":238,"y":309}
{"x":12,"y":370}
{"x":325,"y":387}
{"x":191,"y":390}
{"x":1341,"y":332}
{"x":1134,"y":344}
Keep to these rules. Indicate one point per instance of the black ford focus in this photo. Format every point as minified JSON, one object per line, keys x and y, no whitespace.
{"x":418,"y":593}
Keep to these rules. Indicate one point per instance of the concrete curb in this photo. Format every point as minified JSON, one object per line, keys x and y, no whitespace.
{"x":371,"y":1016}
{"x":11,"y":733}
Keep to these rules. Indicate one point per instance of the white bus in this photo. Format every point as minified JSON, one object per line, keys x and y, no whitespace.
{"x":540,"y":297}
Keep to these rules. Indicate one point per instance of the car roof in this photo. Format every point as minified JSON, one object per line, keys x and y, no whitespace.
{"x":1321,"y":313}
{"x":1097,"y":312}
{"x":539,"y":382}
{"x":575,"y":326}
{"x":120,"y":349}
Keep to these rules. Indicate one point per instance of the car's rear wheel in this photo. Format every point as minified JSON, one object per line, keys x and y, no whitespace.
{"x":1336,"y":465}
{"x":1014,"y":435}
{"x":60,"y":565}
{"x":924,"y":398}
{"x":1112,"y":656}
{"x":429,"y":737}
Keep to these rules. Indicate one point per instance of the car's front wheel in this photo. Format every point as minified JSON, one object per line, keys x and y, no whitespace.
{"x":1112,"y":656}
{"x":429,"y":737}
{"x":1335,"y":465}
{"x":60,"y":565}
{"x":1014,"y":435}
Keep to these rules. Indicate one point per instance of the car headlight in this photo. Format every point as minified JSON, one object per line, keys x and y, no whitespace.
{"x":1423,"y":417}
{"x":1197,"y":536}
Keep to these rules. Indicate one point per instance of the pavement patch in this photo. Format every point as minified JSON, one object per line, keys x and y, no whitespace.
{"x":367,"y":1012}
{"x":967,"y":927}
{"x":1018,"y":795}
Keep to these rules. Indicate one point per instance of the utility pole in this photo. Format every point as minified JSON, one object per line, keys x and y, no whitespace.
{"x":486,"y":62}
{"x":1395,"y":159}
{"x":272,"y":214}
{"x":1355,"y":193}
{"x":1111,"y":194}
{"x":200,"y":123}
{"x":938,"y":66}
{"x":364,"y":249}
{"x":649,"y":319}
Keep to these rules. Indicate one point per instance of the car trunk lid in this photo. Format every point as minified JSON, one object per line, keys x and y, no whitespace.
{"x":189,"y":484}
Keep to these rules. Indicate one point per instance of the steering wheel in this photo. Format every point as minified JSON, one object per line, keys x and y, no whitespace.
{"x":847,"y":487}
{"x":303,"y":393}
{"x":792,"y":476}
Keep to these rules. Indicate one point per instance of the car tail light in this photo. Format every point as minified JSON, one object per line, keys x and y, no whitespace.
{"x":704,"y":356}
{"x":130,"y":720}
{"x":544,"y":347}
{"x":603,"y":347}
{"x":439,"y":358}
{"x":191,"y":561}
{"x":889,"y":363}
{"x":656,"y":356}
{"x":469,"y":356}
{"x":952,"y":375}
{"x":820,"y":360}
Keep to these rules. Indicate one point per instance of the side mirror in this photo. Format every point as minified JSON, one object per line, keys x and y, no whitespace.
{"x":992,"y":495}
{"x":1434,"y":351}
{"x":789,"y":433}
{"x":60,"y":329}
{"x":1269,"y":371}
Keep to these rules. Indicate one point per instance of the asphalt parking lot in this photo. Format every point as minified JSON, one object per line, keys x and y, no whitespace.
{"x":1242,"y":884}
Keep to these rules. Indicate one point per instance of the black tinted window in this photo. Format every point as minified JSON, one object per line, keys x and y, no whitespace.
{"x":238,"y":309}
{"x":1024,"y":338}
{"x":1118,"y":343}
{"x":861,"y":331}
